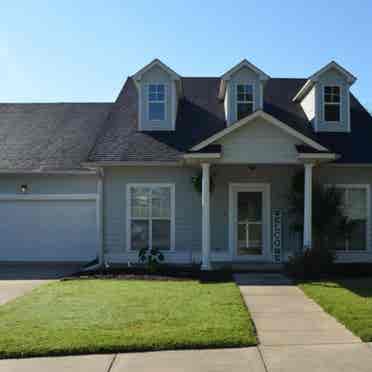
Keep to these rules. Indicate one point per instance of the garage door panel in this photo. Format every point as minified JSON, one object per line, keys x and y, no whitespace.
{"x":48,"y":230}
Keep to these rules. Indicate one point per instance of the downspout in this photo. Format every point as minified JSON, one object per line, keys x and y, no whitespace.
{"x":99,"y":215}
{"x":100,"y":181}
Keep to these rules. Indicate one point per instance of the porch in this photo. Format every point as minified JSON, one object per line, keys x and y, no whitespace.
{"x":245,"y":216}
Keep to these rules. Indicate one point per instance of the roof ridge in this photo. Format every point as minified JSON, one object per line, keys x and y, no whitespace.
{"x":219,"y":77}
{"x":56,"y":103}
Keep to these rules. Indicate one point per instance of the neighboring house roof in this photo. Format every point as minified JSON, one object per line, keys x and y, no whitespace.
{"x":49,"y":136}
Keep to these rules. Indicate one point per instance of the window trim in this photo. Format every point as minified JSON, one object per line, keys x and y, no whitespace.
{"x":332,"y":103}
{"x":128,"y":211}
{"x":368,"y":209}
{"x":251,"y":83}
{"x":148,"y":101}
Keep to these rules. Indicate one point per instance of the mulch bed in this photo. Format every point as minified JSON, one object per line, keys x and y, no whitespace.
{"x":164,"y":274}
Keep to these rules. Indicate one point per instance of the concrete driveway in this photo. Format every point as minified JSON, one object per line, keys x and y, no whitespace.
{"x":11,"y":289}
{"x":37,"y":270}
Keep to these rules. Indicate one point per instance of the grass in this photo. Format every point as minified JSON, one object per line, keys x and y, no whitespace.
{"x":349,"y":301}
{"x":102,"y":316}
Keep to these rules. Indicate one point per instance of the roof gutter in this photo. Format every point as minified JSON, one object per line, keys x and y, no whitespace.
{"x":47,"y":172}
{"x":323,"y":157}
{"x":198,"y":155}
{"x":94,"y":165}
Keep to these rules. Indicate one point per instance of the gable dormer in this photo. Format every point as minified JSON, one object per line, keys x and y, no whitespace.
{"x":159,"y":90}
{"x":325,"y":98}
{"x":241,"y":89}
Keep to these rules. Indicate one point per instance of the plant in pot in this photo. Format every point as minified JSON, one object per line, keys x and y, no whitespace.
{"x":197,"y":181}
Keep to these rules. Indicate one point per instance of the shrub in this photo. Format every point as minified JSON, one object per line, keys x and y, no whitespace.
{"x":311,"y":264}
{"x":152,"y":258}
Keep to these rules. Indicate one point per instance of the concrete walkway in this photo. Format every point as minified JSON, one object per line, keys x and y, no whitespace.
{"x":283,"y":315}
{"x":294,"y":331}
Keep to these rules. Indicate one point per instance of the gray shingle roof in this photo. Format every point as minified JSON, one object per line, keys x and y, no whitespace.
{"x":201,"y":114}
{"x":53,"y":136}
{"x":62,"y":136}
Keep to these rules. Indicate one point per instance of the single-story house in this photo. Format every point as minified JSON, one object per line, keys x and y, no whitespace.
{"x":80,"y":181}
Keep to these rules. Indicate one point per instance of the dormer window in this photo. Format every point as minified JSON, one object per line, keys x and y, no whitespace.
{"x":244,"y":100}
{"x":156,"y":99}
{"x":332,"y":104}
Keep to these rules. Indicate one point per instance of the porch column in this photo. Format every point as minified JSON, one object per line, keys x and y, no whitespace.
{"x":308,"y":206}
{"x":206,"y":231}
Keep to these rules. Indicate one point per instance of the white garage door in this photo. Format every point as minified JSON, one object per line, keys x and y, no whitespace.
{"x":48,"y":228}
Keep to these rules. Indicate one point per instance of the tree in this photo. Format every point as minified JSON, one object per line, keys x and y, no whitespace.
{"x":328,"y":219}
{"x":328,"y":222}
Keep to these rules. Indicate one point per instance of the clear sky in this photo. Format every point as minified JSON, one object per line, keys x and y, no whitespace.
{"x":59,"y":51}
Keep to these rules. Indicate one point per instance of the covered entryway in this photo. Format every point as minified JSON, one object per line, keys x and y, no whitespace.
{"x":48,"y":228}
{"x":253,"y":161}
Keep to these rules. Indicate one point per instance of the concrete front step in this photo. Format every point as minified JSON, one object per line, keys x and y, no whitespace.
{"x":250,"y":267}
{"x":263,"y":279}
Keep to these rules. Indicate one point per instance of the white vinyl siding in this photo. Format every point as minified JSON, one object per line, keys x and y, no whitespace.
{"x":259,"y":142}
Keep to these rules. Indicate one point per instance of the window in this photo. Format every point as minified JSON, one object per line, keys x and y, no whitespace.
{"x":244,"y":100}
{"x":355,"y":205}
{"x":151,"y":216}
{"x":332,"y":104}
{"x":156,"y":101}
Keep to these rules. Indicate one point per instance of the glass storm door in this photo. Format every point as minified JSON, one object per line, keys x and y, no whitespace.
{"x":249,"y":223}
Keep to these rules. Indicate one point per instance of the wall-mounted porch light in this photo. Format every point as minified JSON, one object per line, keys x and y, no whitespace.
{"x":24,"y":189}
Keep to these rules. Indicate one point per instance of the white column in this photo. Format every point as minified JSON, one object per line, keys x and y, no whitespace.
{"x":308,"y":206}
{"x":206,"y":230}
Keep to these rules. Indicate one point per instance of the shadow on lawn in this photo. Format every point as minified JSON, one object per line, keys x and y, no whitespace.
{"x":360,"y":286}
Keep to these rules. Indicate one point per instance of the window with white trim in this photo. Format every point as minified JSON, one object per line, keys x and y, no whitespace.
{"x":156,"y":102}
{"x":355,"y":207}
{"x":332,"y":104}
{"x":151,"y":216}
{"x":244,"y":100}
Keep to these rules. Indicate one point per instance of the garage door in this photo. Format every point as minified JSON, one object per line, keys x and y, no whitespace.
{"x":48,"y":228}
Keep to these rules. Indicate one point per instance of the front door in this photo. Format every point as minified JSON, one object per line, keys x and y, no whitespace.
{"x":249,"y":225}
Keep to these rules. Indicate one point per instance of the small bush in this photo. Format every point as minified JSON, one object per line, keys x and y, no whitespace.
{"x":311,"y":264}
{"x":151,"y":258}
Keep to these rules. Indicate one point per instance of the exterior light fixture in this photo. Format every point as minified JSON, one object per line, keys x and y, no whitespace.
{"x":252,"y":168}
{"x":24,"y":189}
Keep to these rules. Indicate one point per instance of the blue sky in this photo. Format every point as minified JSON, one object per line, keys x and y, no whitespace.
{"x":57,"y":51}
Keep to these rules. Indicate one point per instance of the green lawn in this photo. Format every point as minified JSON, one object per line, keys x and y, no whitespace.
{"x":349,"y":301}
{"x":96,"y":316}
